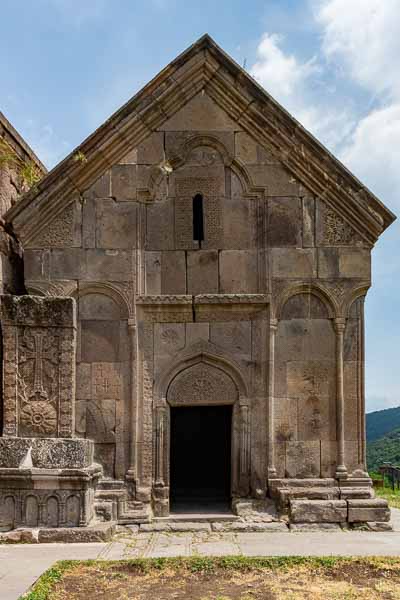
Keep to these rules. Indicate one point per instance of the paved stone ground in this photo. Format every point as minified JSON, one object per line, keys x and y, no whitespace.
{"x":21,"y":565}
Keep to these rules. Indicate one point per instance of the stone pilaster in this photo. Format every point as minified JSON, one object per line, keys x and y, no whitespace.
{"x":244,"y":446}
{"x":132,"y":471}
{"x":341,"y":470}
{"x":271,"y":391}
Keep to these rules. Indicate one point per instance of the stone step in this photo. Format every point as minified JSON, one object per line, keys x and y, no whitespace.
{"x":302,"y":483}
{"x":318,"y":511}
{"x":284,"y":495}
{"x":156,"y":526}
{"x":197,"y":518}
{"x":134,"y":513}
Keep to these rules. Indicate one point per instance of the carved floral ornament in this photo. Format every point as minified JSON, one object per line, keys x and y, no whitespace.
{"x":337,"y":231}
{"x":202,"y":384}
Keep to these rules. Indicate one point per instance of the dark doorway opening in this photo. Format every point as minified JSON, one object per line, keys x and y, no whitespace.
{"x":200,"y":467}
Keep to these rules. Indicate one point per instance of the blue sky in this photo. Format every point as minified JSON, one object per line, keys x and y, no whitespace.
{"x":66,"y":65}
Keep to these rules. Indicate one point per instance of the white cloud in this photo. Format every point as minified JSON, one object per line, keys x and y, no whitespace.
{"x":363,"y":35}
{"x":374,"y":152}
{"x":293,"y":83}
{"x":362,"y":39}
{"x":279,"y":73}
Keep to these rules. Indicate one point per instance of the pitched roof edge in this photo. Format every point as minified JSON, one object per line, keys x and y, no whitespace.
{"x":257,"y":90}
{"x":20,"y":142}
{"x":137,"y":105}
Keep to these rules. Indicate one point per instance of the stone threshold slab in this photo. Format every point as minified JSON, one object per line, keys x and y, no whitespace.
{"x":196,"y":518}
{"x":101,"y":532}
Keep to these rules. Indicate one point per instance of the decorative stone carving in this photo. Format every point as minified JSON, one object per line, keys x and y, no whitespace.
{"x":232,"y":298}
{"x":164,"y":299}
{"x":59,"y":232}
{"x":190,"y":186}
{"x":38,"y":382}
{"x":202,"y":384}
{"x":336,"y":230}
{"x":213,"y":222}
{"x":39,"y":366}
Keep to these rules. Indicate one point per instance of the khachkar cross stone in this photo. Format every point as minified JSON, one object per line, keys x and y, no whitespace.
{"x":38,"y":354}
{"x":39,"y":348}
{"x":38,"y":409}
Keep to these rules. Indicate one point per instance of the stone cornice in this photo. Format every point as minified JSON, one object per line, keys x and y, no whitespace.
{"x":204,"y":66}
{"x":164,"y":299}
{"x":232,"y":299}
{"x":168,"y":299}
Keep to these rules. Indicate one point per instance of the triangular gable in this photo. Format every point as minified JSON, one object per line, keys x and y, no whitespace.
{"x":203,"y":66}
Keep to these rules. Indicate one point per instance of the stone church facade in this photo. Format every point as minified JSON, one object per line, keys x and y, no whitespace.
{"x":199,"y":252}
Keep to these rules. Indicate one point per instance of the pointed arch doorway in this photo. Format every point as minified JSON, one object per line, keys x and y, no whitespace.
{"x":202,"y":436}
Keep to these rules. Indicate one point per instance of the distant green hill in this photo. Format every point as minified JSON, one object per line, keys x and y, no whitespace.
{"x":381,"y":422}
{"x":386,"y":449}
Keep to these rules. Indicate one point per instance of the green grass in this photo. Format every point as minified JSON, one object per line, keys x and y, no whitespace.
{"x":392,"y":496}
{"x":46,"y":583}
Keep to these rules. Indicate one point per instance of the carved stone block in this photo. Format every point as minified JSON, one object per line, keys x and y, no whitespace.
{"x":200,"y":114}
{"x":284,"y":222}
{"x":202,"y":271}
{"x":99,"y":341}
{"x":310,"y":378}
{"x":160,"y":225}
{"x":238,"y":272}
{"x":276,"y":179}
{"x":355,"y":263}
{"x":116,"y":224}
{"x":241,"y":224}
{"x":303,"y":459}
{"x":99,"y":264}
{"x":173,"y":273}
{"x":293,"y":262}
{"x":234,"y":336}
{"x":202,"y":384}
{"x":101,"y":187}
{"x":64,"y":230}
{"x":124,"y":182}
{"x":68,"y":263}
{"x":39,"y":366}
{"x":249,"y":151}
{"x":100,"y":420}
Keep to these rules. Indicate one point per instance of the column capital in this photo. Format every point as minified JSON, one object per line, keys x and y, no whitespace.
{"x":273,"y":324}
{"x":340,"y":324}
{"x":131,"y":323}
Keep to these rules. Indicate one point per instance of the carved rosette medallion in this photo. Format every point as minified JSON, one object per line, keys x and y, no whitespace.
{"x":202,"y":384}
{"x":38,"y":384}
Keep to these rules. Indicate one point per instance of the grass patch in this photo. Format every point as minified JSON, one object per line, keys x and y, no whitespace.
{"x":221,"y":578}
{"x":392,"y":496}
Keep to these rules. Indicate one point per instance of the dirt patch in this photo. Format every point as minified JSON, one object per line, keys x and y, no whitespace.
{"x":233,"y":578}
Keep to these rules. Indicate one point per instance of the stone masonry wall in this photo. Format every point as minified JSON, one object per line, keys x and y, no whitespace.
{"x":130,"y":236}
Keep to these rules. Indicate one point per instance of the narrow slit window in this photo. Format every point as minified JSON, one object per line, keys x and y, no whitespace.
{"x":198,"y":219}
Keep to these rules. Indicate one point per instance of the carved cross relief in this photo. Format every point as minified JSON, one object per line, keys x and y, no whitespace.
{"x":38,"y":352}
{"x":38,"y":383}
